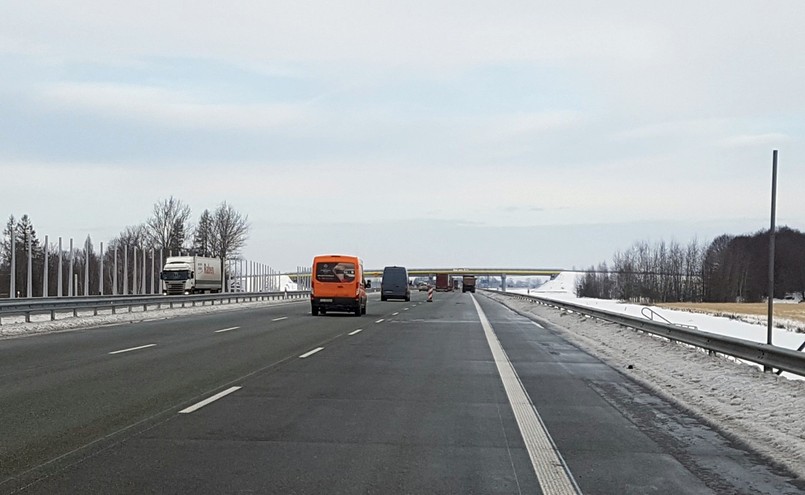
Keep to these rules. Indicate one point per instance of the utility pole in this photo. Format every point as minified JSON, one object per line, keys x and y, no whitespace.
{"x":772,"y":235}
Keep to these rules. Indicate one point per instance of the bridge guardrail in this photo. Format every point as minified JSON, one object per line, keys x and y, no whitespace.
{"x":764,"y":354}
{"x":28,"y":307}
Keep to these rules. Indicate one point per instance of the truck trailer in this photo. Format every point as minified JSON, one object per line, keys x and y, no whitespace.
{"x":191,"y":275}
{"x":468,"y":283}
{"x":443,"y":283}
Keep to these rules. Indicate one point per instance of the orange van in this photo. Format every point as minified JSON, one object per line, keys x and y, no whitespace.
{"x":338,"y":285}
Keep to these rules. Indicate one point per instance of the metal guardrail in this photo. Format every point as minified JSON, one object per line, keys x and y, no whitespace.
{"x":28,"y":307}
{"x":764,"y":354}
{"x":651,"y":314}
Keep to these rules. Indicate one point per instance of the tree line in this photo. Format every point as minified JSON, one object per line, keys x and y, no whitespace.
{"x":220,"y":233}
{"x":729,"y":269}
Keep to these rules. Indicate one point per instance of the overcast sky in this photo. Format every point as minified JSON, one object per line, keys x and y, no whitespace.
{"x":424,"y":133}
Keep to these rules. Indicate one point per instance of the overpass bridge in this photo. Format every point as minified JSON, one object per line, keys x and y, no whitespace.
{"x":303,"y":276}
{"x":512,"y":272}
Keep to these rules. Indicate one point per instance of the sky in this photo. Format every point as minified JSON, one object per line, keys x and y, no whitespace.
{"x":419,"y":133}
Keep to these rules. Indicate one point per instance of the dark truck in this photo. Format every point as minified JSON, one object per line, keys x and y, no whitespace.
{"x":468,"y":283}
{"x":443,"y":282}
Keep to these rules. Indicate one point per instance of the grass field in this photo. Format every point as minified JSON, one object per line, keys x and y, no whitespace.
{"x":794,"y":312}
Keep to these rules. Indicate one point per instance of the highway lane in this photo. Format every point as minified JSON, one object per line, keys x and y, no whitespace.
{"x":405,"y":403}
{"x":390,"y":399}
{"x":62,"y":391}
{"x":615,"y":435}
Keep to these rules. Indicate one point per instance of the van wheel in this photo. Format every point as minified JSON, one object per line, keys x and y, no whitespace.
{"x":358,"y":310}
{"x":363,"y":311}
{"x":315,"y":310}
{"x":382,"y":298}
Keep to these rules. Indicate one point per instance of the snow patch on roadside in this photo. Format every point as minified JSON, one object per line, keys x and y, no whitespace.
{"x":41,"y":324}
{"x":761,"y":409}
{"x":741,"y":328}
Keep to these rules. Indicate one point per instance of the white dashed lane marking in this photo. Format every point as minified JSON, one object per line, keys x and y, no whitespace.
{"x":310,"y":353}
{"x":226,"y":329}
{"x":214,"y":398}
{"x":132,"y":349}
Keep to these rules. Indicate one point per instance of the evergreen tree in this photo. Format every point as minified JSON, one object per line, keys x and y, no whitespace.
{"x":203,"y":238}
{"x":24,"y":231}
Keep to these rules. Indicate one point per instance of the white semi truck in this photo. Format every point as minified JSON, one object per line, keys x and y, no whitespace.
{"x":191,"y":275}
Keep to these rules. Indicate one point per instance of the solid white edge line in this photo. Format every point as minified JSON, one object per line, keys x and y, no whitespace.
{"x":226,"y":329}
{"x":132,"y":349}
{"x":552,"y":473}
{"x":381,"y":320}
{"x":310,"y":353}
{"x":280,"y":319}
{"x":356,"y":331}
{"x":206,"y":401}
{"x":537,"y":324}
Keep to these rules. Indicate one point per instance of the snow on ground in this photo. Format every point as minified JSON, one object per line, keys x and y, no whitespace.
{"x":763,"y":410}
{"x":66,"y":321}
{"x":563,"y":289}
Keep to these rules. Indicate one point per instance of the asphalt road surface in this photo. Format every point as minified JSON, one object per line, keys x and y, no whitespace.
{"x":459,"y":395}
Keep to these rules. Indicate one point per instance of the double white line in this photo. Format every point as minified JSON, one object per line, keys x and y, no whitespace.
{"x":552,"y":472}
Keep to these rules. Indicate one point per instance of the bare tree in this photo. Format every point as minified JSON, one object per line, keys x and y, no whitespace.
{"x":168,"y":227}
{"x":231,"y":230}
{"x":136,"y":236}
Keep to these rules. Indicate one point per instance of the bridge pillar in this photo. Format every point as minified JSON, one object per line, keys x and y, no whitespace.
{"x":503,"y":282}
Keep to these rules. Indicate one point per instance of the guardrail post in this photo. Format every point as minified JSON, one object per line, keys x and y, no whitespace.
{"x":125,"y":270}
{"x":30,"y":289}
{"x":45,"y":274}
{"x":12,"y":286}
{"x":100,"y":273}
{"x":153,"y":274}
{"x":114,"y":275}
{"x":86,"y":267}
{"x":70,"y":292}
{"x":59,"y":277}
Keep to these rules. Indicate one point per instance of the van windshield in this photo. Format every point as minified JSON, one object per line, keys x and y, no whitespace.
{"x":335,"y":272}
